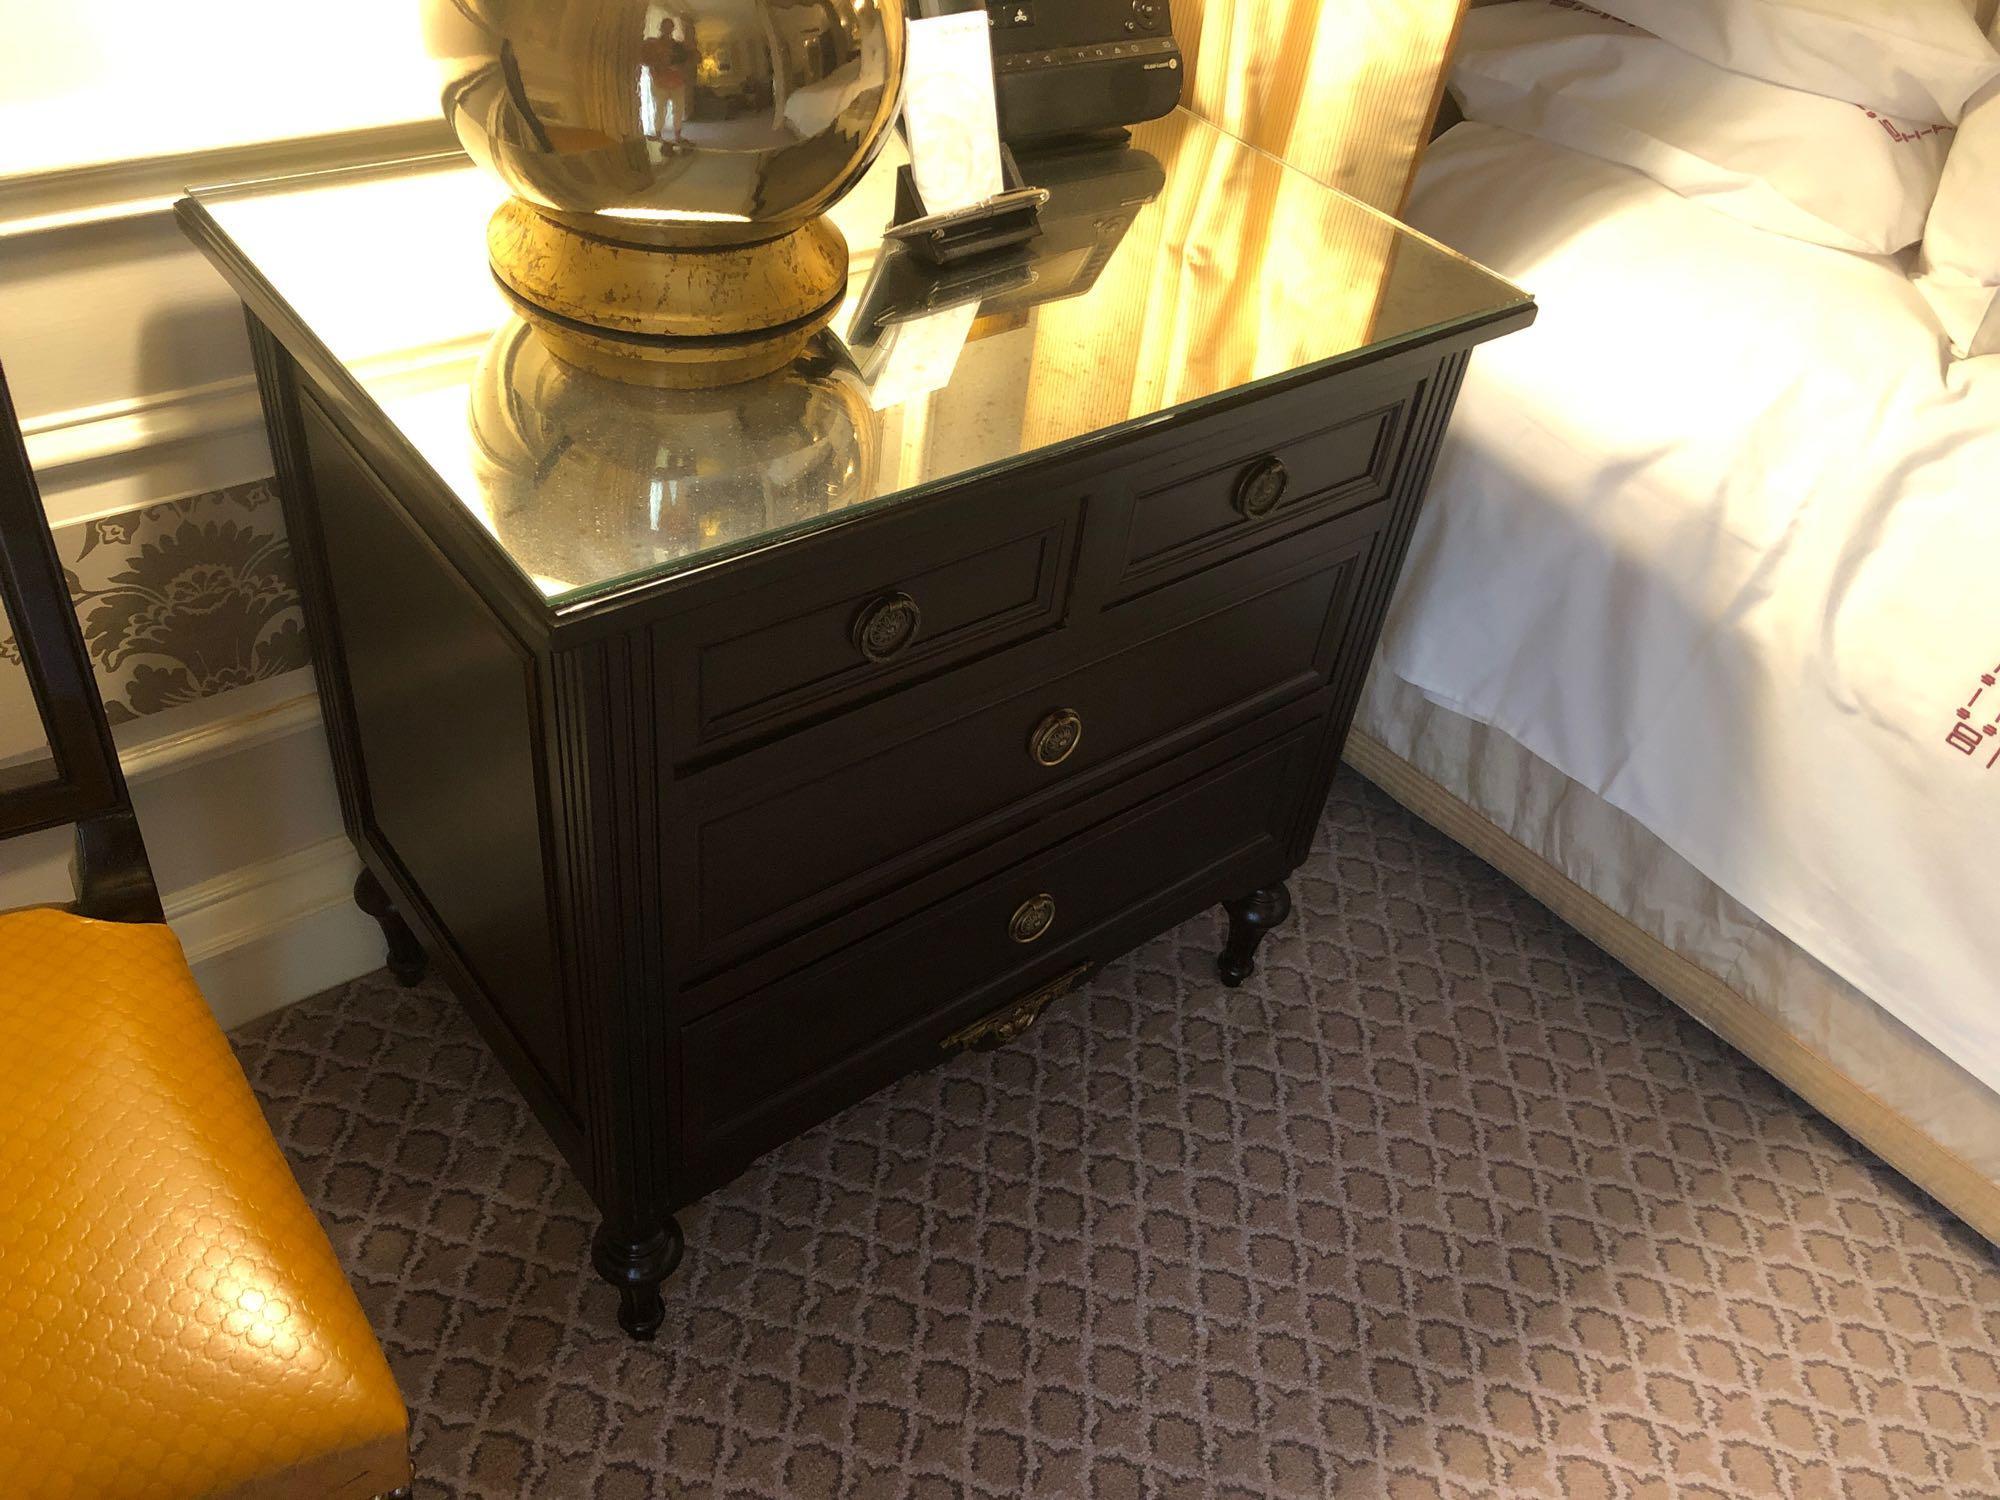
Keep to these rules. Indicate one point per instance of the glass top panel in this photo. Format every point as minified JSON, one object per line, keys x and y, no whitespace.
{"x":1169,"y":271}
{"x":26,"y":756}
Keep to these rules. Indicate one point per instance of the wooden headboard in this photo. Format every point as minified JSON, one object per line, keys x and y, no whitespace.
{"x":1343,"y":89}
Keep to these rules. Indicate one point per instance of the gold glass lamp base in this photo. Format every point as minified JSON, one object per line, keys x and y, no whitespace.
{"x":613,"y":297}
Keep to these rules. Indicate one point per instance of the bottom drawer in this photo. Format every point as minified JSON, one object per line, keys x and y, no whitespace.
{"x":776,"y":1062}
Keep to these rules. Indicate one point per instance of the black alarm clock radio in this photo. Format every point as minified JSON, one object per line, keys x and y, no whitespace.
{"x":1077,"y":67}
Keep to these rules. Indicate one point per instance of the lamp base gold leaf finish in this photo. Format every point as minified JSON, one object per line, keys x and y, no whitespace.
{"x":611,"y":297}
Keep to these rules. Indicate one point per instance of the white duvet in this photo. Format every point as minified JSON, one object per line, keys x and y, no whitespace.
{"x":1719,"y":537}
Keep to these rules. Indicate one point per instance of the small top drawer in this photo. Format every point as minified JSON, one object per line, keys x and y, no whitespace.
{"x":1243,"y":486}
{"x":860,"y":614}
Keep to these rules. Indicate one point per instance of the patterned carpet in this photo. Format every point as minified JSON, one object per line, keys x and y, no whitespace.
{"x":1442,"y":1203}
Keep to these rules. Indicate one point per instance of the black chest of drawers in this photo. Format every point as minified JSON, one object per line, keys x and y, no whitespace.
{"x":712,"y":854}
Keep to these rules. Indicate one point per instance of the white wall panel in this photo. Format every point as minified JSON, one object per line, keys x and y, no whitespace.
{"x":109,"y":80}
{"x":128,"y":360}
{"x":101,"y":313}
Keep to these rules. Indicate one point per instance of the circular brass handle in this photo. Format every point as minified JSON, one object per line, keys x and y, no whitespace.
{"x":1055,"y":739}
{"x":886,"y":625}
{"x":1032,"y":918}
{"x":1261,"y":487}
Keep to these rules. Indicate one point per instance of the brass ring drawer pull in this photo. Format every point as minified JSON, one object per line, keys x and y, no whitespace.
{"x":1261,"y":488}
{"x":1055,"y":739}
{"x":886,"y":625}
{"x":1032,"y":918}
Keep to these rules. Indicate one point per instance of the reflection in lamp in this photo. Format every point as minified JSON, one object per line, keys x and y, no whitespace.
{"x":589,"y":478}
{"x":671,"y":162}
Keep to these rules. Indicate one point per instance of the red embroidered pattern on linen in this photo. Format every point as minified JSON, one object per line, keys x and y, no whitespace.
{"x":1968,"y":738}
{"x":1901,"y":135}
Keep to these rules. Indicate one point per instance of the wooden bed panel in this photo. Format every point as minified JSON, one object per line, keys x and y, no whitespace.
{"x":1343,"y":89}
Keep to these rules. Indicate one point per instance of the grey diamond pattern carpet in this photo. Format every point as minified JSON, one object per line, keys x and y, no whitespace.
{"x":1442,"y":1202}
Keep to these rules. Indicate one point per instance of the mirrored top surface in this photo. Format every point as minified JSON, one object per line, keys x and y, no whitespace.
{"x":1169,"y":271}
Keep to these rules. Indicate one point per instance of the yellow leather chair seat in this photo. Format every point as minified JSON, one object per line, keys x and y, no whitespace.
{"x":172,"y":1319}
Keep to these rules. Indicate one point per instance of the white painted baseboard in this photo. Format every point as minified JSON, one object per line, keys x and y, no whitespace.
{"x":264,"y":935}
{"x":256,"y":873}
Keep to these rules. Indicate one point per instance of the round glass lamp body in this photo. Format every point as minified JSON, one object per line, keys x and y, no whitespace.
{"x":711,"y":121}
{"x":670,"y":160}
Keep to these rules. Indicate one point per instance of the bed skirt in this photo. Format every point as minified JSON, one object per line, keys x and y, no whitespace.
{"x":1570,"y":850}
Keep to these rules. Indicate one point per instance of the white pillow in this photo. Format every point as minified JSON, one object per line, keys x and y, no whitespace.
{"x":1912,"y":59}
{"x":1792,"y":162}
{"x":1959,"y":270}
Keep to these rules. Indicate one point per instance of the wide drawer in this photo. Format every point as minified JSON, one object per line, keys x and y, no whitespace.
{"x":1246,"y":482}
{"x":759,"y":1070}
{"x":781,"y":842}
{"x":849,"y":618}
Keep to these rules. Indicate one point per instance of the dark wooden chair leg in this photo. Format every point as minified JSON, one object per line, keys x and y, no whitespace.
{"x":114,"y":881}
{"x":636,"y":1265}
{"x":406,"y":954}
{"x":1250,"y":918}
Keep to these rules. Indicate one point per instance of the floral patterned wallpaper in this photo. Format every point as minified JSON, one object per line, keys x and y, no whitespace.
{"x":182,"y":600}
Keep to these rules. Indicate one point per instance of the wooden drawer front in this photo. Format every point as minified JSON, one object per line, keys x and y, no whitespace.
{"x":876,"y":821}
{"x":770,"y":1064}
{"x":757,"y":660}
{"x":1194,"y":510}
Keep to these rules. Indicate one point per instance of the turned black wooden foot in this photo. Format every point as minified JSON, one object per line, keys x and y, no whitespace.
{"x":1249,"y":920}
{"x":637,"y":1266}
{"x":406,"y":954}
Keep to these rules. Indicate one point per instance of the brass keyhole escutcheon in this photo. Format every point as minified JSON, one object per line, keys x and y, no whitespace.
{"x":886,"y":625}
{"x":1013,"y":1020}
{"x":1261,"y":488}
{"x":1032,"y":918}
{"x":1055,"y":739}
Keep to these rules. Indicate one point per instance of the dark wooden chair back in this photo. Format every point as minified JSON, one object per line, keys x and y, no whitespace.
{"x":78,"y":781}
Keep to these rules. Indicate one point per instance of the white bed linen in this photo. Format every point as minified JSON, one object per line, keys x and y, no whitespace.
{"x":1782,"y":159}
{"x":1719,"y":538}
